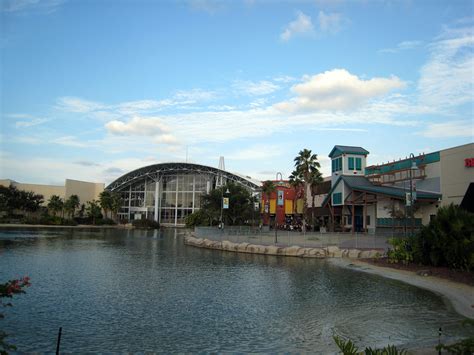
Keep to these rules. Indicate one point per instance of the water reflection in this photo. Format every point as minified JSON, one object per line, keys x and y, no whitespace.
{"x":131,"y":290}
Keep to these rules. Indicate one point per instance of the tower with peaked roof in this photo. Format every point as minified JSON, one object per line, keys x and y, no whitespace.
{"x":347,"y":160}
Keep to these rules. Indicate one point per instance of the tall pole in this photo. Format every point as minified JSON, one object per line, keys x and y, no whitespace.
{"x":412,"y":156}
{"x":222,"y":204}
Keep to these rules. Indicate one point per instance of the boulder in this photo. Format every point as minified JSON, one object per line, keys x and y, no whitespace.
{"x":367,"y":254}
{"x":293,"y":251}
{"x":242,"y":247}
{"x":331,"y":250}
{"x":354,"y":253}
{"x":315,"y":253}
{"x":273,"y":250}
{"x":226,"y":245}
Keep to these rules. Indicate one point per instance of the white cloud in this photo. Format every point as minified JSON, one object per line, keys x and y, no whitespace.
{"x":30,"y":123}
{"x":448,"y":76}
{"x":46,"y":6}
{"x":301,"y":26}
{"x":450,"y":129}
{"x":255,"y":88}
{"x":330,"y":22}
{"x":405,"y":45}
{"x":337,"y":89}
{"x":78,"y":105}
{"x":70,"y":141}
{"x":166,"y":139}
{"x":194,"y":95}
{"x":149,"y":126}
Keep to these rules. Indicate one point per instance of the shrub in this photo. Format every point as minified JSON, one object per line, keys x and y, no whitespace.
{"x":198,"y":218}
{"x":448,"y":240}
{"x":145,"y":223}
{"x":401,"y":250}
{"x":105,"y":222}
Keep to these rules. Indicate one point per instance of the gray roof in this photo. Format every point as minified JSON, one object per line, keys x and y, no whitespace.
{"x":346,"y":149}
{"x":361,"y":183}
{"x":156,"y":170}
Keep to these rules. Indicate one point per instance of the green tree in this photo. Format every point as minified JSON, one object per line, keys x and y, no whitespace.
{"x":55,"y":204}
{"x":93,"y":210}
{"x":268,"y":187}
{"x":240,"y":211}
{"x":315,"y":180}
{"x":448,"y":240}
{"x":306,"y":170}
{"x":13,"y":199}
{"x":71,"y":204}
{"x":106,"y":201}
{"x":116,"y":204}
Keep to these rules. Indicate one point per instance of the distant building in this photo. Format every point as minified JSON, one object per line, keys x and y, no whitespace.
{"x":86,"y":191}
{"x":169,"y":192}
{"x":376,"y":198}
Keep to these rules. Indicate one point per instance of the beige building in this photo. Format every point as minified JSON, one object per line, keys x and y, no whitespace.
{"x":86,"y":191}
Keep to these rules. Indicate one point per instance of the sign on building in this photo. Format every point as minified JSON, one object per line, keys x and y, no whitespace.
{"x":280,"y":198}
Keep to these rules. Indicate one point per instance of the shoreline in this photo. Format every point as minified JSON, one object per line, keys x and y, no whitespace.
{"x":460,"y":296}
{"x":79,"y":226}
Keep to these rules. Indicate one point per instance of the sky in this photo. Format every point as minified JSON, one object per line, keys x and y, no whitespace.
{"x":93,"y":89}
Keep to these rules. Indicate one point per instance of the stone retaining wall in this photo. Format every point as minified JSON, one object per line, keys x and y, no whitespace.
{"x":328,"y":252}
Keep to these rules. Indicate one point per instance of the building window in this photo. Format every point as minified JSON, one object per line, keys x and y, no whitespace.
{"x":358,"y":164}
{"x":349,"y":220}
{"x":351,"y":163}
{"x":336,"y":164}
{"x":367,"y":220}
{"x":337,"y":198}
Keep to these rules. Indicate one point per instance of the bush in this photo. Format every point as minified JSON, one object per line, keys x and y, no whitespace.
{"x":105,"y":222}
{"x":198,"y":218}
{"x":448,"y":240}
{"x":145,"y":223}
{"x":401,"y":250}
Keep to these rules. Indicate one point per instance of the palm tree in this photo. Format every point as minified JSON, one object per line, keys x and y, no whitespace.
{"x":316,"y":179}
{"x":116,"y":203}
{"x":306,"y":170}
{"x":105,"y":200}
{"x":268,"y":187}
{"x":71,"y":204}
{"x":55,"y":204}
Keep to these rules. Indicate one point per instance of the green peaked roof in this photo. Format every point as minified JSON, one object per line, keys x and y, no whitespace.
{"x":345,"y":149}
{"x":361,"y":183}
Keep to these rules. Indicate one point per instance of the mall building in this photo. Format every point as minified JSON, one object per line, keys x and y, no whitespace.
{"x":169,"y":192}
{"x":378,"y":198}
{"x":86,"y":191}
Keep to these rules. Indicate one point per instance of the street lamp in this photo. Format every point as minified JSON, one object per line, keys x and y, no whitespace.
{"x":413,"y":169}
{"x":222,"y":204}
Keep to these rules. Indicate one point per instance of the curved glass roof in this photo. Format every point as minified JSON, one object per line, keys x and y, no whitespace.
{"x":155,"y":171}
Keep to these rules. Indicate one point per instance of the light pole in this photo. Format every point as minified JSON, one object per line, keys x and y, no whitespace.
{"x":222,"y":204}
{"x":413,"y":168}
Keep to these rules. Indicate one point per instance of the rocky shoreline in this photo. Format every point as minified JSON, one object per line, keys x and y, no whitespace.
{"x":295,"y":251}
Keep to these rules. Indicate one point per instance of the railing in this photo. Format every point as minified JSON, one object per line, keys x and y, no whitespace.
{"x":254,"y":235}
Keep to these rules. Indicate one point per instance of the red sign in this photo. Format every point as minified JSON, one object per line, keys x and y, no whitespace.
{"x":469,"y":163}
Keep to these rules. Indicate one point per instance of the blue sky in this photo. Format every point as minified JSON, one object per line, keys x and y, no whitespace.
{"x":93,"y":89}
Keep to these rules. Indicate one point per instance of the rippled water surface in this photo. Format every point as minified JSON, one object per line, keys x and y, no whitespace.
{"x":130,"y":290}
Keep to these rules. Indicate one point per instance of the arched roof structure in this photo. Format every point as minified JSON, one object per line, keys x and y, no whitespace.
{"x":156,"y":170}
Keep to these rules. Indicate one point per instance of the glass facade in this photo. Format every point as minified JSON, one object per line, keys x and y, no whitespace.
{"x":179,"y":195}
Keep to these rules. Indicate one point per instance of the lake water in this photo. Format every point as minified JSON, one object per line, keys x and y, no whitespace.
{"x":135,"y":291}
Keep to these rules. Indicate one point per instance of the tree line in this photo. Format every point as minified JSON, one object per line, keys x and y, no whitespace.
{"x":27,"y":206}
